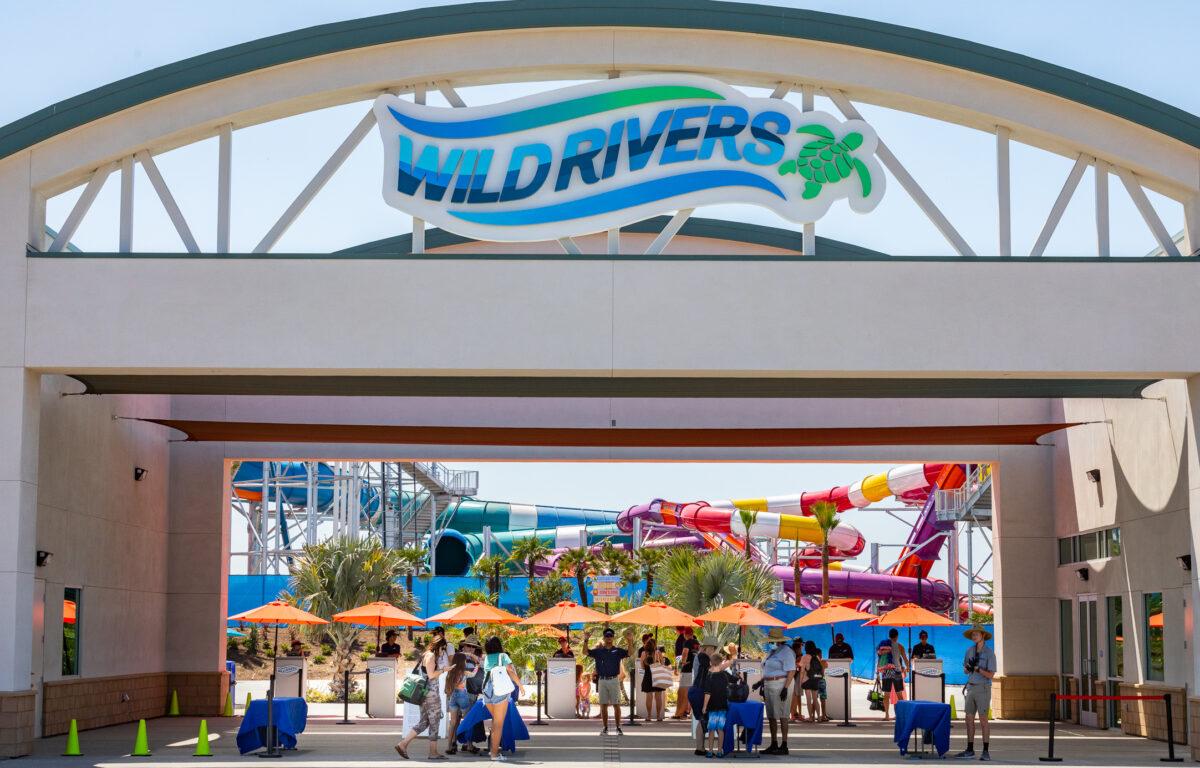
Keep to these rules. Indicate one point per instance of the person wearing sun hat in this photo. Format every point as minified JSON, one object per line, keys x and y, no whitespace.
{"x":778,"y":670}
{"x":979,"y":663}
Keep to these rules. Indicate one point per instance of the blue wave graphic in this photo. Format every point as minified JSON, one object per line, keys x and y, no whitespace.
{"x":618,"y":199}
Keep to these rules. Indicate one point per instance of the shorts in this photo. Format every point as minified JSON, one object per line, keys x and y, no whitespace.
{"x":716,"y":720}
{"x":823,"y":690}
{"x":460,"y":700}
{"x":609,"y":691}
{"x":977,"y":699}
{"x":494,"y":699}
{"x":776,"y":709}
{"x":892,"y":681}
{"x":685,"y":679}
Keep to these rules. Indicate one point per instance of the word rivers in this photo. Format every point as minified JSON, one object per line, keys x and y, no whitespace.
{"x":682,"y":135}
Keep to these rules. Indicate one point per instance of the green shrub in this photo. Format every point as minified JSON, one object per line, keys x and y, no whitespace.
{"x":371,"y":648}
{"x":269,"y":653}
{"x":320,"y":658}
{"x":326,"y":649}
{"x":364,"y":656}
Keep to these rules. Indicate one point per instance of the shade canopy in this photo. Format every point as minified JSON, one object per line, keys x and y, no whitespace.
{"x":743,"y":615}
{"x":655,"y":614}
{"x":1156,"y":620}
{"x":475,"y":612}
{"x":829,"y":613}
{"x":69,"y":612}
{"x":378,"y":614}
{"x":912,"y":615}
{"x":566,"y":612}
{"x":278,"y":612}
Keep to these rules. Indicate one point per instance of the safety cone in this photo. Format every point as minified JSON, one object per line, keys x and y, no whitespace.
{"x":141,"y":745}
{"x":228,"y":710}
{"x":989,"y":714}
{"x":174,"y":710}
{"x":248,"y":699}
{"x":953,"y":709}
{"x":202,"y":747}
{"x":72,"y":749}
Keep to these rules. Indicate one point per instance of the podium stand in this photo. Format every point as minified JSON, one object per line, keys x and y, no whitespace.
{"x":752,"y":669}
{"x":927,"y":680}
{"x":837,"y":703}
{"x":381,"y":687}
{"x":560,"y":688}
{"x":291,"y":676}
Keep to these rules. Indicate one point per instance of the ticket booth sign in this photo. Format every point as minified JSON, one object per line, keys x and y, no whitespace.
{"x":381,"y":688}
{"x":606,"y":589}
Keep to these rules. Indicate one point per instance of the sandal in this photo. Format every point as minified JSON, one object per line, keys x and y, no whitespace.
{"x":401,"y":752}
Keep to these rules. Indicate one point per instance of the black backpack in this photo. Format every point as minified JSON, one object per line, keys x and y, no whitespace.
{"x":474,"y":683}
{"x":739,"y":689}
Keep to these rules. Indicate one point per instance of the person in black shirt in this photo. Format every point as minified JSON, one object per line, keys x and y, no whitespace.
{"x":716,"y":702}
{"x":686,"y":648}
{"x":564,"y":649}
{"x":923,"y":650}
{"x":390,"y":648}
{"x":840,"y":648}
{"x":608,"y":660}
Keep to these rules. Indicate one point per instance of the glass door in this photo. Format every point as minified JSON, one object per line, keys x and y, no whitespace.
{"x":1089,"y":661}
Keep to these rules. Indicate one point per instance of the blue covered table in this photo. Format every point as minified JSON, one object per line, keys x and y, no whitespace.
{"x":514,"y":726}
{"x":932,"y":716}
{"x":289,"y":714}
{"x":749,"y":715}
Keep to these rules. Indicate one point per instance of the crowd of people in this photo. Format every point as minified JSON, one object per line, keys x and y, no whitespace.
{"x":792,"y":684}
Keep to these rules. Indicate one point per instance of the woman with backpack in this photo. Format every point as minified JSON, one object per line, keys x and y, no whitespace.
{"x":501,"y":680}
{"x":431,"y":704}
{"x":812,"y":672}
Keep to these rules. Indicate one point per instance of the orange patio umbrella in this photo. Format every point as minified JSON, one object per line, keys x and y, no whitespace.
{"x":566,"y":612}
{"x":70,"y":612}
{"x":830,"y":613}
{"x":378,"y":614}
{"x":546,"y":630}
{"x":655,"y":614}
{"x":473,"y":613}
{"x":1156,"y":620}
{"x":278,"y":612}
{"x":743,"y":615}
{"x":912,"y":615}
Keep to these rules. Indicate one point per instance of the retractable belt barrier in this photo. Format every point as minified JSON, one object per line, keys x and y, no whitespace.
{"x":1057,"y":697}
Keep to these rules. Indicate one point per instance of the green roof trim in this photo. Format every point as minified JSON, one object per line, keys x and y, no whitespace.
{"x":535,"y":14}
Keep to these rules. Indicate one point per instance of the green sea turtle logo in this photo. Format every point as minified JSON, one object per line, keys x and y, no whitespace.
{"x":826,"y":160}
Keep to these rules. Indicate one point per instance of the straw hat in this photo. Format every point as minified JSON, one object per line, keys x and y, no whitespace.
{"x":977,"y":628}
{"x":776,"y":635}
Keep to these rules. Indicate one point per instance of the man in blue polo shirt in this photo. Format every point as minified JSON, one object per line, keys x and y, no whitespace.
{"x":608,"y":660}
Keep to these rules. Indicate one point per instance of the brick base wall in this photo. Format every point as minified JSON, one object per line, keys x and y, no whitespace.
{"x":16,"y":723}
{"x":101,"y":701}
{"x":1194,"y":726}
{"x":1022,"y":697}
{"x":1149,"y":718}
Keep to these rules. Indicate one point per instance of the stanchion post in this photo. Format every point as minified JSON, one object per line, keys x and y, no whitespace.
{"x":1050,"y":758}
{"x":846,"y":706}
{"x":943,"y":676}
{"x":632,"y":694}
{"x":539,"y":720}
{"x":346,"y":697}
{"x":271,"y":750}
{"x":1170,"y":758}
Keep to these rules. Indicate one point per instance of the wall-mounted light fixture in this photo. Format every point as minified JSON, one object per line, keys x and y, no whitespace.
{"x":43,"y":557}
{"x":139,"y":473}
{"x":1185,"y":562}
{"x":1082,"y":573}
{"x":1093,"y":475}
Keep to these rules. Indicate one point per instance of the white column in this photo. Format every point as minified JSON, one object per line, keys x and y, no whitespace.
{"x":1191,"y":225}
{"x":1003,"y":190}
{"x":1191,"y":452}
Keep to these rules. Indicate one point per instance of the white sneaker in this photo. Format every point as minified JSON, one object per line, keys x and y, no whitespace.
{"x":500,"y":758}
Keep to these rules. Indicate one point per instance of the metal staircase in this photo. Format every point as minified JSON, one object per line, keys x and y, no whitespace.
{"x":972,"y":501}
{"x":436,"y":488}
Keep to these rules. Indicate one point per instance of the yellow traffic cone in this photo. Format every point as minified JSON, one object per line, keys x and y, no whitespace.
{"x":72,"y":749}
{"x":248,"y":699}
{"x":202,"y":747}
{"x":174,"y":710}
{"x":953,"y":709}
{"x":228,"y":710}
{"x":141,"y":745}
{"x":989,"y":714}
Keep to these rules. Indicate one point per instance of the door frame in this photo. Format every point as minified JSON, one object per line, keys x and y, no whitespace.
{"x":1091,"y":635}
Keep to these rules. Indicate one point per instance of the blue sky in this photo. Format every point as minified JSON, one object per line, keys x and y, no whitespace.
{"x":52,"y":51}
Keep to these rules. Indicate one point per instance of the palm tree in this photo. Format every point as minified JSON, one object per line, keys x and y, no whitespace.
{"x":415,"y":561}
{"x":467,"y":595}
{"x":796,"y":569}
{"x":701,"y":582}
{"x":826,"y":515}
{"x":340,"y":574}
{"x":612,"y":560}
{"x":492,"y":569}
{"x":577,"y":563}
{"x":527,"y":552}
{"x":649,"y":560}
{"x":749,"y":517}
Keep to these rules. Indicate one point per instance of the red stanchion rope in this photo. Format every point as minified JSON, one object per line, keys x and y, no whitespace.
{"x":1081,"y":697}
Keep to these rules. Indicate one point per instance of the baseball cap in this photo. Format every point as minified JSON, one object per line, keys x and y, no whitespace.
{"x":610,"y":632}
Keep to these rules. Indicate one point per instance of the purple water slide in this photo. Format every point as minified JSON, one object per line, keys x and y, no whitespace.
{"x":926,"y":527}
{"x":681,"y":539}
{"x":935,"y":595}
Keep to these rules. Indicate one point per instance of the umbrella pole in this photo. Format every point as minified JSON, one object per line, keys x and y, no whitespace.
{"x":271,"y":751}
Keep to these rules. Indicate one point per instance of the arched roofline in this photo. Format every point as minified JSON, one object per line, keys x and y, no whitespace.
{"x":536,"y":14}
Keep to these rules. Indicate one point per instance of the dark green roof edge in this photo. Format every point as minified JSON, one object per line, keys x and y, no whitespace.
{"x":710,"y":229}
{"x":533,"y":14}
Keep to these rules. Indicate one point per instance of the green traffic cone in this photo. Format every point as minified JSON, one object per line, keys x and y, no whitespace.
{"x":228,"y":710}
{"x":72,"y":749}
{"x":202,"y":747}
{"x":174,"y":710}
{"x":141,"y":745}
{"x":953,"y":709}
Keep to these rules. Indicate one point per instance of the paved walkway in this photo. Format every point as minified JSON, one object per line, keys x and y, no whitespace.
{"x":578,"y":744}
